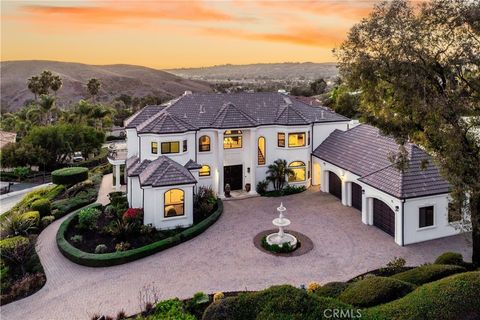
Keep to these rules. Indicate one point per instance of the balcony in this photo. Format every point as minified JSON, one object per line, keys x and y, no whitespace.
{"x":117,"y":153}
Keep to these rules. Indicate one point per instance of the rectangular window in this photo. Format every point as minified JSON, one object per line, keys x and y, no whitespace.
{"x":296,"y":139}
{"x":185,"y":146}
{"x":425,"y":217}
{"x":308,"y":140}
{"x":232,"y":142}
{"x":170,"y":147}
{"x":454,"y":212}
{"x":154,"y":147}
{"x":281,"y":139}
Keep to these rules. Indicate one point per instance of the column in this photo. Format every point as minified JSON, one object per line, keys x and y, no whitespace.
{"x":220,"y":190}
{"x":253,"y":160}
{"x":117,"y":177}
{"x":324,"y":181}
{"x":364,"y":208}
{"x":370,"y":211}
{"x":349,"y":194}
{"x":344,"y":192}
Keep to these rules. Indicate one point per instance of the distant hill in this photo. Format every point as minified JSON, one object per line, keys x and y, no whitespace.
{"x":116,"y":79}
{"x":261,"y":71}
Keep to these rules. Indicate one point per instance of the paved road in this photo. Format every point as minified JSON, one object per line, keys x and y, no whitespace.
{"x":224,"y":258}
{"x":10,"y":199}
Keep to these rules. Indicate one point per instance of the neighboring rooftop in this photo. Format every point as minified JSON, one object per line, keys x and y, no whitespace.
{"x":364,"y":151}
{"x":162,"y":171}
{"x":230,"y":110}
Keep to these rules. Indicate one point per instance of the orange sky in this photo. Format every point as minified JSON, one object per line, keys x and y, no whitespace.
{"x":169,"y":34}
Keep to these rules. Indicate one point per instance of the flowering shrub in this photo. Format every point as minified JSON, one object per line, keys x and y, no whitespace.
{"x":313,"y":286}
{"x":132,"y":214}
{"x":218,"y":296}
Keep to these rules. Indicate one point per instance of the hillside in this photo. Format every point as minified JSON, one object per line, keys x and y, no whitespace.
{"x":261,"y":71}
{"x":116,"y":79}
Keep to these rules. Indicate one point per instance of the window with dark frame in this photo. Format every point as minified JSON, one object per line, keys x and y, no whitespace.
{"x":170,"y":147}
{"x":232,"y":139}
{"x":425,"y":217}
{"x":281,"y":139}
{"x":296,"y":139}
{"x":154,"y":147}
{"x":204,"y":171}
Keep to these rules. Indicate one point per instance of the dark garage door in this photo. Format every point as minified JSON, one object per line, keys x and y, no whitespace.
{"x":356,"y":196}
{"x":383,"y":217}
{"x":334,"y":185}
{"x":233,"y":175}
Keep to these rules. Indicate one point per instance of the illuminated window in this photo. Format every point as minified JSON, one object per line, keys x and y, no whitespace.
{"x":296,"y":139}
{"x":154,"y":147}
{"x":299,"y":171}
{"x":170,"y":147}
{"x":204,"y":144}
{"x":261,"y":151}
{"x":204,"y":171}
{"x":281,"y":139}
{"x":174,"y":205}
{"x":185,"y":145}
{"x":232,"y":139}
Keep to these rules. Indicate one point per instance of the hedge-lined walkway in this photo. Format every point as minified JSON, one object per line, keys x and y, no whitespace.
{"x":218,"y":259}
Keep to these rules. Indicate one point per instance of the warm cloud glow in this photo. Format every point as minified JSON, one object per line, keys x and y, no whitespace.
{"x":180,"y":33}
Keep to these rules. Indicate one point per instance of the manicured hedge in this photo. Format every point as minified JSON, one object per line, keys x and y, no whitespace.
{"x":70,"y":176}
{"x":115,"y":258}
{"x":428,"y":273}
{"x":454,"y":297}
{"x":373,"y":290}
{"x":42,"y":205}
{"x":452,"y":258}
{"x":331,"y":289}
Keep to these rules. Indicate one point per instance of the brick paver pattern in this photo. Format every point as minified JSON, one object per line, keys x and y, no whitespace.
{"x":224,"y":258}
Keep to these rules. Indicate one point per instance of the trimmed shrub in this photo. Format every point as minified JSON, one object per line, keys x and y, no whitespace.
{"x":78,"y":238}
{"x":16,"y":251}
{"x":197,"y":304}
{"x":218,"y":296}
{"x":171,"y":310}
{"x":70,"y":176}
{"x":12,"y":243}
{"x":61,"y":207}
{"x":101,"y":248}
{"x":88,"y":217}
{"x":373,"y":290}
{"x":122,"y":246}
{"x":42,"y":205}
{"x":262,"y":187}
{"x":452,"y":258}
{"x":428,"y":273}
{"x":32,"y":216}
{"x":47,"y":220}
{"x":275,"y":248}
{"x":313,"y":286}
{"x":454,"y":297}
{"x":331,"y":289}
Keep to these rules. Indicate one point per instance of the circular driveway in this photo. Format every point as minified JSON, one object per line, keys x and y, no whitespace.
{"x":224,"y":258}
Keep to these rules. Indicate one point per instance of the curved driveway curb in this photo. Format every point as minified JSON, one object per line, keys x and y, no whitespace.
{"x":223,"y":258}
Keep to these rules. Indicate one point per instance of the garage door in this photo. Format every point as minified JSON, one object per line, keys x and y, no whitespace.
{"x":356,"y":196}
{"x":383,"y":217}
{"x":334,"y":185}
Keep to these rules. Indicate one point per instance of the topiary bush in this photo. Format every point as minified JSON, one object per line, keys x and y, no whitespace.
{"x":428,"y":273}
{"x":452,"y":258}
{"x":42,"y":205}
{"x":70,"y":176}
{"x":374,"y":290}
{"x":454,"y":297}
{"x":331,"y":289}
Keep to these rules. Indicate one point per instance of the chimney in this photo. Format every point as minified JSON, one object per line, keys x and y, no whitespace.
{"x":322,"y":115}
{"x":202,"y":108}
{"x":187,"y":92}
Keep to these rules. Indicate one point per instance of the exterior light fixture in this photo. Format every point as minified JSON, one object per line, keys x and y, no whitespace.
{"x":248,"y":169}
{"x":396,"y":208}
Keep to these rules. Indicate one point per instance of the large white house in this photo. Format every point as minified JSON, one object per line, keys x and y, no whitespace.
{"x":211,"y":139}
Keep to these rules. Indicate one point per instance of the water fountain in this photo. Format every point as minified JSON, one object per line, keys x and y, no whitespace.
{"x":281,"y":237}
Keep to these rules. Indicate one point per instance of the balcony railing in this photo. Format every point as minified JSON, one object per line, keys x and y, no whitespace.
{"x":117,"y":151}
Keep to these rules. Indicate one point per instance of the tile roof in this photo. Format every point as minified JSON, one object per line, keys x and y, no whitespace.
{"x":231,"y":110}
{"x":164,"y":122}
{"x":160,"y":172}
{"x":192,"y":165}
{"x":364,"y":151}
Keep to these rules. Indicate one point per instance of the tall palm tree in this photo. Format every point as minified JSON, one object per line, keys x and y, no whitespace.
{"x":33,"y":84}
{"x":277,"y":173}
{"x":93,"y":87}
{"x":56,"y":84}
{"x":47,"y":103}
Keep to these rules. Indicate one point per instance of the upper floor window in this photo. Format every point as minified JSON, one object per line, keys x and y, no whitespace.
{"x":296,"y":139}
{"x":232,"y":139}
{"x":170,"y":147}
{"x":425,"y":215}
{"x":261,"y":151}
{"x":204,"y":171}
{"x":185,"y":145}
{"x":154,"y":147}
{"x":204,"y":143}
{"x":298,"y":171}
{"x":174,"y":203}
{"x":281,"y":139}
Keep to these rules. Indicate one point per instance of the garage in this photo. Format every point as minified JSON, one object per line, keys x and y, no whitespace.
{"x":383,"y":217}
{"x":356,"y":196}
{"x":334,"y":185}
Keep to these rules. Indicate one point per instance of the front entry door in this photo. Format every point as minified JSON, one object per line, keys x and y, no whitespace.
{"x":233,"y":175}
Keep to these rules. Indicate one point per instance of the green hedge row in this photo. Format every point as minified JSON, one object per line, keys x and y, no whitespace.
{"x":116,"y":258}
{"x":70,"y":176}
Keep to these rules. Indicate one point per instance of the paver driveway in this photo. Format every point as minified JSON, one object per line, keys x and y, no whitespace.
{"x":224,"y":259}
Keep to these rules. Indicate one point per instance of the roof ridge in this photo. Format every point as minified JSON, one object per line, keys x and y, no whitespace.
{"x":224,"y":109}
{"x":145,"y":123}
{"x":376,"y":171}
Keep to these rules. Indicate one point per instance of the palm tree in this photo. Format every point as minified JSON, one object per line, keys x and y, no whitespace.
{"x":277,"y":173}
{"x":47,"y":103}
{"x":93,"y":87}
{"x":56,"y":84}
{"x":33,"y":84}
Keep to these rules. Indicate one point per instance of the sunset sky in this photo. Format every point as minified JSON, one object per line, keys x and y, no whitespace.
{"x":170,"y":34}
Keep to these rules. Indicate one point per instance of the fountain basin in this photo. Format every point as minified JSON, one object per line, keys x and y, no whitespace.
{"x":281,"y":222}
{"x":281,"y":239}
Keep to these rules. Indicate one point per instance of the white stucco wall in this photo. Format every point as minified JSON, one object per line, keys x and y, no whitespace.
{"x":135,"y":193}
{"x":322,"y":130}
{"x":181,"y":157}
{"x":132,"y":142}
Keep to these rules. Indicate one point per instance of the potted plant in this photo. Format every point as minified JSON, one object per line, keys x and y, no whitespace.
{"x":227,"y":190}
{"x":248,"y":187}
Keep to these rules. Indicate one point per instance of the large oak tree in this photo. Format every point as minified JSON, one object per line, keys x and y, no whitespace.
{"x":416,"y":66}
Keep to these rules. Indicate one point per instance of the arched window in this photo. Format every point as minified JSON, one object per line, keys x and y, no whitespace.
{"x":299,"y":171}
{"x":261,"y":151}
{"x":204,"y":171}
{"x":232,"y":139}
{"x":174,"y":203}
{"x":204,"y":144}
